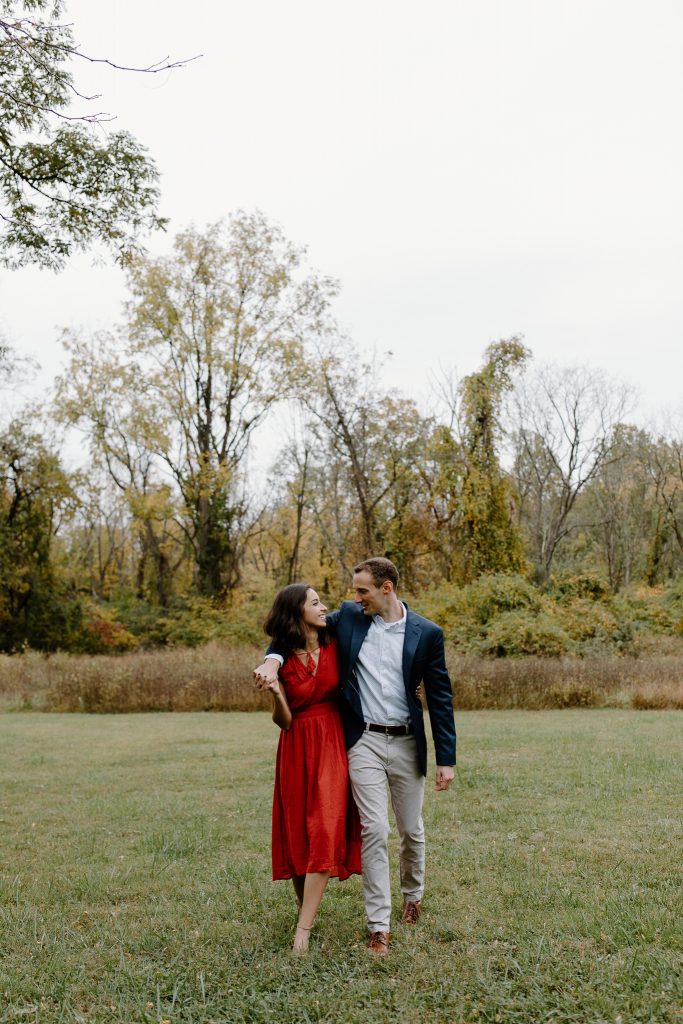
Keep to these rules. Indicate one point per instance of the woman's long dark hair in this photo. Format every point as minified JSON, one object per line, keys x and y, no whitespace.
{"x":285,"y":620}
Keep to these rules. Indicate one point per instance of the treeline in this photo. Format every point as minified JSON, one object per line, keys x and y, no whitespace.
{"x":158,"y":537}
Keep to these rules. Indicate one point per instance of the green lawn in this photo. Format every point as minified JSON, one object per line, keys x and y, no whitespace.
{"x":135,"y":881}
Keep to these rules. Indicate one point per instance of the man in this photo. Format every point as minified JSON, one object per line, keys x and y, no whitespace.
{"x":385,"y":652}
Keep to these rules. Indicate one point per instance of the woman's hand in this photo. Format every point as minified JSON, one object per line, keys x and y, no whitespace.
{"x":266,"y":676}
{"x":266,"y":679}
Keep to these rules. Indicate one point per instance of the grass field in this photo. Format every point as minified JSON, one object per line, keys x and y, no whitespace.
{"x":135,"y":885}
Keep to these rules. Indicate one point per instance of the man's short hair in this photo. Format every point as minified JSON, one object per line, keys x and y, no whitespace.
{"x":381,"y":569}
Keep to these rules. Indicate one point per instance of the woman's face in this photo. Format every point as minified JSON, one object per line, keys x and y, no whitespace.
{"x":313,"y":612}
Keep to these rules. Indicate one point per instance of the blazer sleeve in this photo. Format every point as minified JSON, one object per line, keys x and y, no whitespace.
{"x":332,"y":619}
{"x":274,"y":649}
{"x":439,"y":695}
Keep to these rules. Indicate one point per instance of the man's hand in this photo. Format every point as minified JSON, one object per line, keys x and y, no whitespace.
{"x":444,"y":776}
{"x":265,"y":676}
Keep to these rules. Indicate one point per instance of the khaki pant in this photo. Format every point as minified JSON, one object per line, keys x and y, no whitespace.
{"x":374,"y":761}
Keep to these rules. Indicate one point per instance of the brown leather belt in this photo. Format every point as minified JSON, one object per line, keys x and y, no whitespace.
{"x":389,"y":730}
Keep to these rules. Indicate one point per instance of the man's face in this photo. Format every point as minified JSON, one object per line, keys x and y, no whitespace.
{"x":371,"y":598}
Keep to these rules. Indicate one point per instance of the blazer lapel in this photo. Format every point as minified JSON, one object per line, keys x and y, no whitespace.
{"x":410,"y":642}
{"x":361,"y":625}
{"x":359,"y":628}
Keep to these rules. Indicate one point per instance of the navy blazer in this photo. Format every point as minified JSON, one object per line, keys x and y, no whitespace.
{"x":423,"y":662}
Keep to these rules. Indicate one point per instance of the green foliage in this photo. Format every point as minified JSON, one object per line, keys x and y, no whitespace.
{"x":63,"y":185}
{"x":568,"y":585}
{"x":198,"y":620}
{"x":586,"y":609}
{"x":589,"y":620}
{"x":37,"y":607}
{"x":190,"y":624}
{"x":488,"y":596}
{"x":48,"y":618}
{"x":469,"y":614}
{"x":490,"y":542}
{"x":673,"y":596}
{"x":518,"y":633}
{"x":102,"y":633}
{"x":649,"y":610}
{"x":502,"y":616}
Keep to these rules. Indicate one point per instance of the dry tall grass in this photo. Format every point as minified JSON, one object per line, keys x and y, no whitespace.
{"x":648,"y":682}
{"x":219,"y":678}
{"x":209,"y":678}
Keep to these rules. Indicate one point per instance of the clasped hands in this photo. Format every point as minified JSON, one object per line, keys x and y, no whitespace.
{"x":266,"y":676}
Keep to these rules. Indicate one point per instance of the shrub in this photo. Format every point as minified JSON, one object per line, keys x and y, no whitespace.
{"x":444,"y":605}
{"x":490,"y":596}
{"x":570,"y":694}
{"x":595,"y":628}
{"x":576,"y":615}
{"x":570,"y":585}
{"x":52,"y":619}
{"x":586,"y":620}
{"x":194,"y":622}
{"x":518,"y":633}
{"x":673,"y":595}
{"x":646,"y":608}
{"x":102,"y":633}
{"x":198,"y":620}
{"x":657,"y":698}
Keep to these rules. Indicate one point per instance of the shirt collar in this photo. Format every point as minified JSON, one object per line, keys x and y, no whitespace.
{"x":398,"y":626}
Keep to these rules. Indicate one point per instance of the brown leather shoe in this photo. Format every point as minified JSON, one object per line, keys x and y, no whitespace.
{"x":379,"y":943}
{"x":411,"y":911}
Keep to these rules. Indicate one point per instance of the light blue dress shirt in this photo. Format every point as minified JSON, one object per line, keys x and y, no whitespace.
{"x":379,"y":671}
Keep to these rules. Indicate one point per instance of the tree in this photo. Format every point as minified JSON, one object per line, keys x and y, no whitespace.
{"x":280,"y":545}
{"x":440,"y":469}
{"x":14,"y":368}
{"x":620,"y":503}
{"x":62,"y":186}
{"x":665,"y":470}
{"x":369,"y":440}
{"x":105,"y":396}
{"x":565,"y":433}
{"x":211,"y":332}
{"x":340,"y":393}
{"x":97,"y":545}
{"x":490,"y":542}
{"x":35,"y":494}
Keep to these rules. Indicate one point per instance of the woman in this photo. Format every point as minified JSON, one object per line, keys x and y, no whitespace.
{"x":316,"y":834}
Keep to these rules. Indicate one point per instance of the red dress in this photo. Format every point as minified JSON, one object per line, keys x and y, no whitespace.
{"x":315,"y":821}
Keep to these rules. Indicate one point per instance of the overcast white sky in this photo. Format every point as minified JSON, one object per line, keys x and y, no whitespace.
{"x":468,"y":170}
